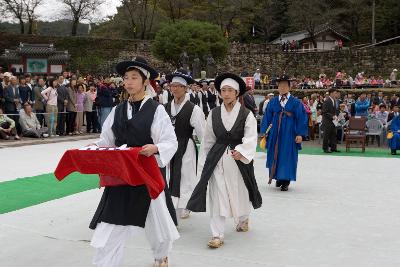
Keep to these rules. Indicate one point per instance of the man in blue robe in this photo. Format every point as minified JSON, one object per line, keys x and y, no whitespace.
{"x":288,"y":120}
{"x":394,"y":142}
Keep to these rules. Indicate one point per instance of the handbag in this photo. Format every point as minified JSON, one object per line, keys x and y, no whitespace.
{"x":263,"y":141}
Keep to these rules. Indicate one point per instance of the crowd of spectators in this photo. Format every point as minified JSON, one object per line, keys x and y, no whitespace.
{"x":47,"y":106}
{"x":341,"y":80}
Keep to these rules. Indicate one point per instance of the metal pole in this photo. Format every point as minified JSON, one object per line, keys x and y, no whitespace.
{"x":373,"y":23}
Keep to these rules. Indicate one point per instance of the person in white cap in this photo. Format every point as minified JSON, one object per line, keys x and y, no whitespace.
{"x":185,"y":117}
{"x":267,"y":99}
{"x":123,"y":210}
{"x":226,"y":162}
{"x":393,"y":78}
{"x":257,"y":79}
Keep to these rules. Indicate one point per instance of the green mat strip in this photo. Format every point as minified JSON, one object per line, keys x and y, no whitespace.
{"x":354,"y":152}
{"x":30,"y":191}
{"x":26,"y":192}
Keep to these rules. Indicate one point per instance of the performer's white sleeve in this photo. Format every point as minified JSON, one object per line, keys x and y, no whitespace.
{"x":107,"y":137}
{"x":165,"y":97}
{"x":249,"y":141}
{"x":163,"y":135}
{"x":198,"y":121}
{"x":207,"y":143}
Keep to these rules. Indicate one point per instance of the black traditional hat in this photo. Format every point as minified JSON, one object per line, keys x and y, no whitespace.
{"x":138,"y":63}
{"x":182,"y":74}
{"x":220,"y":78}
{"x":283,"y":78}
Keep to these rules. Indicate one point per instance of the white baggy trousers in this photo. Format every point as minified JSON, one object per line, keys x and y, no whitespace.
{"x":160,"y":230}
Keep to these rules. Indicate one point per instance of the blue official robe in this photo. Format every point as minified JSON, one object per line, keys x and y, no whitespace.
{"x":291,"y":126}
{"x":394,"y":143}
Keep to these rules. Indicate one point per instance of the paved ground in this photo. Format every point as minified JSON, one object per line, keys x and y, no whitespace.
{"x":343,"y":211}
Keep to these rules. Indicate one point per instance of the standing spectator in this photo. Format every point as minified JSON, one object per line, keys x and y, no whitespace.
{"x":25,"y":92}
{"x":7,"y":127}
{"x":30,"y":125}
{"x":265,"y":82}
{"x":105,"y":102}
{"x":265,"y":103}
{"x":249,"y":101}
{"x":313,"y":109}
{"x":362,"y":105}
{"x":62,"y":101}
{"x":328,"y":122}
{"x":393,"y":78}
{"x":39,"y":104}
{"x":50,"y":94}
{"x":309,"y":119}
{"x":71,"y":107}
{"x":257,"y":79}
{"x":12,"y":100}
{"x":90,"y":110}
{"x":80,"y":99}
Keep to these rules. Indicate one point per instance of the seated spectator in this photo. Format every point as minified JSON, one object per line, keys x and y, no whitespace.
{"x":394,"y":141}
{"x":7,"y":127}
{"x":382,"y":114}
{"x":370,"y":113}
{"x":343,"y":115}
{"x":30,"y":125}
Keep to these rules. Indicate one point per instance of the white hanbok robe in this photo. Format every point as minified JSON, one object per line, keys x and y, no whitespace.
{"x":159,"y":228}
{"x":189,"y":177}
{"x":228,"y":194}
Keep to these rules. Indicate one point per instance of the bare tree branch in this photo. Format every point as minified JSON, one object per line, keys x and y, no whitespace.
{"x":15,"y":9}
{"x":30,"y":7}
{"x":79,"y":10}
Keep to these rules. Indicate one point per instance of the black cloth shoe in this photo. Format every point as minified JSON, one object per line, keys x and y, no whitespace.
{"x":278,"y":183}
{"x":285,"y":185}
{"x":327,"y":151}
{"x":394,"y":152}
{"x":337,"y":151}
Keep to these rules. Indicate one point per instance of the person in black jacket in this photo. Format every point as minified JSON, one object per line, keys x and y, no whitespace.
{"x":328,"y":117}
{"x":249,"y":101}
{"x":105,"y":102}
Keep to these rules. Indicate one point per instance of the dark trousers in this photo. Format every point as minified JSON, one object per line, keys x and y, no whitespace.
{"x":61,"y":120}
{"x":330,"y":138}
{"x":40,"y":117}
{"x":4,"y":135}
{"x":92,"y":121}
{"x":71,"y":117}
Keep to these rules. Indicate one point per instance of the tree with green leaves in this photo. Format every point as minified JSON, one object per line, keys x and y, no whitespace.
{"x":197,"y":39}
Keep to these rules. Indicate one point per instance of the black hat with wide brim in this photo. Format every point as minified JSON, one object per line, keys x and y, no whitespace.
{"x":284,"y":78}
{"x":181,"y":74}
{"x":220,"y":78}
{"x":138,"y":61}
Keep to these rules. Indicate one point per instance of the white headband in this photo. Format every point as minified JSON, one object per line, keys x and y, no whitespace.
{"x":232,"y":83}
{"x":180,"y":80}
{"x":144,"y":71}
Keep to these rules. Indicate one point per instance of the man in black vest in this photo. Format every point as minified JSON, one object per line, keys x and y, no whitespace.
{"x":203,"y":97}
{"x":185,"y":117}
{"x":328,"y":122}
{"x":226,"y":162}
{"x":212,"y":95}
{"x":193,"y":94}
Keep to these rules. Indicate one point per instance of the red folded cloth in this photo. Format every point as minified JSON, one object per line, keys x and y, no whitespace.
{"x":130,"y":168}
